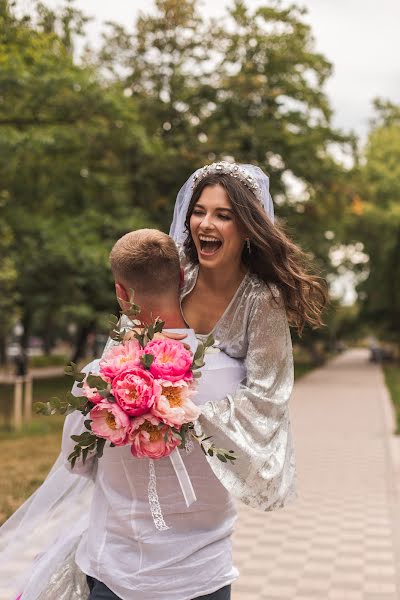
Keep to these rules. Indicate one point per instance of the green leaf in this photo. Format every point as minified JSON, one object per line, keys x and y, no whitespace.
{"x":158,"y":326}
{"x":221,"y":457}
{"x":210,"y":341}
{"x":199,"y":352}
{"x":95,"y":381}
{"x":88,"y":424}
{"x":147,"y":360}
{"x":100,"y":447}
{"x":85,"y":453}
{"x":210,"y":452}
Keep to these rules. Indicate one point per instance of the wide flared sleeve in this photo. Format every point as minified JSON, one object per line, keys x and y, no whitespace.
{"x":254,"y":422}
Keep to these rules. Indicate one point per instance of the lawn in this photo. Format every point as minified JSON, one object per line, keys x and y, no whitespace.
{"x":27,"y":455}
{"x":392,"y":378}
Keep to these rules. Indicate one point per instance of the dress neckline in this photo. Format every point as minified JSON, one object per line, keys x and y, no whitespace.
{"x":235,"y":295}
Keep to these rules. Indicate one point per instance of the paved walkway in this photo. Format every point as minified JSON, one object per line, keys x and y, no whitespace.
{"x":340,"y":540}
{"x":39,"y":373}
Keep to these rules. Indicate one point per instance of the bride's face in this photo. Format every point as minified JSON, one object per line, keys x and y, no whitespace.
{"x":215,"y":230}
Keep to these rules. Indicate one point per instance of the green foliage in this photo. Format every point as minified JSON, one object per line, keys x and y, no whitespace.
{"x":92,"y":149}
{"x":392,"y":378}
{"x":377,"y":224}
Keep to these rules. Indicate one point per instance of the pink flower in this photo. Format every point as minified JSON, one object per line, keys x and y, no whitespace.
{"x":110,"y":422}
{"x":147,"y":438}
{"x":172,"y":361}
{"x":135,"y":390}
{"x":119,"y":357}
{"x":91,"y":393}
{"x":174,"y":407}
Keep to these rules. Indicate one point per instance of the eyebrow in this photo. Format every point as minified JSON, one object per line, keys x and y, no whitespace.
{"x":217,"y":208}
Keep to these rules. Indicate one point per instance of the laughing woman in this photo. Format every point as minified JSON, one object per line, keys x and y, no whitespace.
{"x":244,"y":282}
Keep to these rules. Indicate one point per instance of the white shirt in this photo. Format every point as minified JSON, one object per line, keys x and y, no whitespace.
{"x":122,"y":547}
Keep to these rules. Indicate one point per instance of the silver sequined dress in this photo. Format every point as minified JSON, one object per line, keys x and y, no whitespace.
{"x":255,"y":421}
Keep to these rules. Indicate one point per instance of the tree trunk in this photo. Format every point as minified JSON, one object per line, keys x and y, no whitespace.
{"x":80,"y":345}
{"x":3,"y":355}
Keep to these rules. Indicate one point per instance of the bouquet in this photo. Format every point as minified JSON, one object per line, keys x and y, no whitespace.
{"x":141,"y":396}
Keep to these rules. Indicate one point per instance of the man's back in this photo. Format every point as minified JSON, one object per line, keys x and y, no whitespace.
{"x":123,"y":548}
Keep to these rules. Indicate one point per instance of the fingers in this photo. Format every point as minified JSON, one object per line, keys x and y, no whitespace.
{"x":174,"y":336}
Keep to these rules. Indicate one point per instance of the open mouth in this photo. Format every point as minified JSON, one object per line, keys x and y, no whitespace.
{"x":209,"y":245}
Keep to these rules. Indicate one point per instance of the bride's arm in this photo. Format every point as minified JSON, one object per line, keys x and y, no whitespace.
{"x":254,"y":422}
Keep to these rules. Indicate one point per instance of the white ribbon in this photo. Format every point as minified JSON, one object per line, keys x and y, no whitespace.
{"x":183,"y":477}
{"x":184,"y":482}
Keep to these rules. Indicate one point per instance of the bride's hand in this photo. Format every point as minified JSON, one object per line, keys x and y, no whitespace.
{"x":129,"y":335}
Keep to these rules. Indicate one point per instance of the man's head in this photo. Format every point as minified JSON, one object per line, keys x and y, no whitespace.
{"x":146,"y":261}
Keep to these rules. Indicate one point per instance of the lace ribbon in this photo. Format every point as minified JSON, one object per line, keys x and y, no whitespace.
{"x":184,"y":482}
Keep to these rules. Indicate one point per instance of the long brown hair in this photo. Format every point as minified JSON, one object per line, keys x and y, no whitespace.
{"x":273,"y":257}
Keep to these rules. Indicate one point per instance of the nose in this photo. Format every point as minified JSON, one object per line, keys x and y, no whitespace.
{"x":207,"y":221}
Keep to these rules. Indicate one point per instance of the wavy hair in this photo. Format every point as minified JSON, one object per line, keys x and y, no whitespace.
{"x":273,"y":257}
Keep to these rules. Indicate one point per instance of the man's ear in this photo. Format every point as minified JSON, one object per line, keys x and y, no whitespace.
{"x":181,"y":278}
{"x":122,"y":294}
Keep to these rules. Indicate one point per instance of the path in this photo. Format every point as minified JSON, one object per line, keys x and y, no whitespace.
{"x":37,"y":373}
{"x":340,"y":540}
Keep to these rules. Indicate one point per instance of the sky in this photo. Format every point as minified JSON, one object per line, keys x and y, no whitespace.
{"x":360,"y":37}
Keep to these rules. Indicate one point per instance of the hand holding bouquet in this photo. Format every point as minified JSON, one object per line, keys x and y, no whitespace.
{"x":141,"y":396}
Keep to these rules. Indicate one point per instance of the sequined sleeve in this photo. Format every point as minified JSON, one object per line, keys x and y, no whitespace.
{"x":255,"y":422}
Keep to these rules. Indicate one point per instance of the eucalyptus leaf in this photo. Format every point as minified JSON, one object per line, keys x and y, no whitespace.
{"x":199,"y":352}
{"x":147,"y":360}
{"x":85,"y":453}
{"x":100,"y":447}
{"x":95,"y":381}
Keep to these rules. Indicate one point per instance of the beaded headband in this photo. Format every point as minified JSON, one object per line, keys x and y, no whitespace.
{"x":231,"y":169}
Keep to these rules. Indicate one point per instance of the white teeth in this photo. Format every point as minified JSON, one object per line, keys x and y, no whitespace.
{"x":205,"y":238}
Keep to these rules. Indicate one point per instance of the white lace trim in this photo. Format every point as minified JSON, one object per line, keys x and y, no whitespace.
{"x":154,"y":502}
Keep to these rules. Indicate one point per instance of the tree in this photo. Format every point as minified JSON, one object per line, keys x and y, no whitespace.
{"x":69,"y":142}
{"x":376,"y":223}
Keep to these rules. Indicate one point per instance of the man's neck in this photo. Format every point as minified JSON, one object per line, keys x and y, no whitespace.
{"x":172,"y":316}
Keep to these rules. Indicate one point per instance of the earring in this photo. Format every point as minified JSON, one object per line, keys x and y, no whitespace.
{"x":248,"y":245}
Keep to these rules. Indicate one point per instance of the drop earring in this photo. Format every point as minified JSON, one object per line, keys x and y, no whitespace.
{"x":248,"y":245}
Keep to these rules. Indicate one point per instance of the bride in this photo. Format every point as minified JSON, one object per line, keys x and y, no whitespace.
{"x":244,"y":281}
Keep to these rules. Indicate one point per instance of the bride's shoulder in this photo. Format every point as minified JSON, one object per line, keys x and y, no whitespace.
{"x":263,"y":291}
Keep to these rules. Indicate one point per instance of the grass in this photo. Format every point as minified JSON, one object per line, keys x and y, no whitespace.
{"x":392,"y":378}
{"x":301,"y":367}
{"x":27,"y":455}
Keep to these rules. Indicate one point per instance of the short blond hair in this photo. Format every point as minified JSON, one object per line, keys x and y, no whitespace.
{"x":146,"y":260}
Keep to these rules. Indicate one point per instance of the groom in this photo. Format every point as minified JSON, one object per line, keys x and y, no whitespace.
{"x":123,"y":554}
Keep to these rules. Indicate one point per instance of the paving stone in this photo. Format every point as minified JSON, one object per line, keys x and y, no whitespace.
{"x":338,"y":540}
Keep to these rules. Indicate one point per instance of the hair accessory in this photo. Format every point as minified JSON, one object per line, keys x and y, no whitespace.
{"x":249,"y":174}
{"x":232,"y":169}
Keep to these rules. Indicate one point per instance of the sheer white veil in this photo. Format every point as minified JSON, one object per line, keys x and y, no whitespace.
{"x":177,"y":230}
{"x":38,"y":542}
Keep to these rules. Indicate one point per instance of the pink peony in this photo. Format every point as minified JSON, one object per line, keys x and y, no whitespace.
{"x":119,"y":357}
{"x":147,"y":438}
{"x":91,"y":393}
{"x":110,"y":422}
{"x":172,"y":361}
{"x":174,"y":407}
{"x":135,"y":390}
